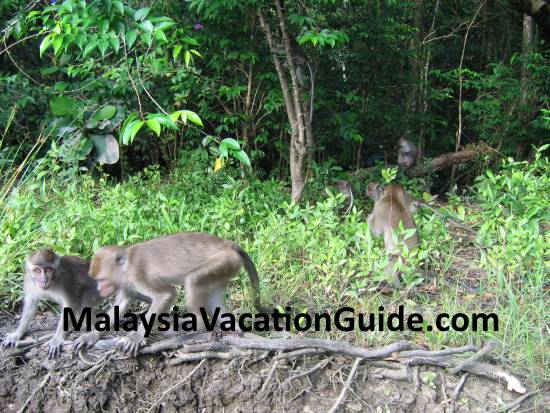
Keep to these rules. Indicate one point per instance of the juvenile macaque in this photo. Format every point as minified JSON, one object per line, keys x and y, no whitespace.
{"x":344,"y":187}
{"x":64,"y":280}
{"x":202,"y":263}
{"x":406,"y":154}
{"x":392,"y":206}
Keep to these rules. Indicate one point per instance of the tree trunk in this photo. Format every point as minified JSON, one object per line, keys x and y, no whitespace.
{"x":539,"y":10}
{"x":300,"y":125}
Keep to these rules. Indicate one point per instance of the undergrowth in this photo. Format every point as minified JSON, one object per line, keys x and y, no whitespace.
{"x":311,"y":256}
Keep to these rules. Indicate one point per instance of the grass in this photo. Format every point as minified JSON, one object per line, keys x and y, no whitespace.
{"x":309,"y":256}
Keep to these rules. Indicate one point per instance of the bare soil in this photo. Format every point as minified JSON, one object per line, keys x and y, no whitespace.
{"x":70,"y":383}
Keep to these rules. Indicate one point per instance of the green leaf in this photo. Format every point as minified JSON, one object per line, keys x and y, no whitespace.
{"x":67,"y":5}
{"x":190,"y":40}
{"x":64,"y":106}
{"x":224,"y":152}
{"x":164,"y":25}
{"x":146,"y":26}
{"x":186,"y":57}
{"x":117,"y":4}
{"x":106,"y":112}
{"x":104,"y":26}
{"x":192,"y":116}
{"x":176,"y":52}
{"x":86,"y":146}
{"x":146,"y":38}
{"x":164,"y":120}
{"x":90,"y":48}
{"x":232,"y":144}
{"x":196,"y":53}
{"x":130,"y":37}
{"x":141,"y":14}
{"x":134,"y":128}
{"x":154,"y":125}
{"x":80,"y":40}
{"x":46,"y":42}
{"x":159,"y":34}
{"x":57,"y":43}
{"x":102,"y":45}
{"x":241,"y":156}
{"x":115,"y":44}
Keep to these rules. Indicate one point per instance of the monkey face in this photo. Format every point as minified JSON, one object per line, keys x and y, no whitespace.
{"x":374,"y":191}
{"x":106,"y":268}
{"x":42,"y":276}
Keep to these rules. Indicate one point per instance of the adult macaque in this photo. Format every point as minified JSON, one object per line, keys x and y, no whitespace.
{"x":344,"y":187}
{"x":64,"y":280}
{"x":374,"y":192}
{"x":202,"y":263}
{"x":392,"y":207}
{"x":406,"y":154}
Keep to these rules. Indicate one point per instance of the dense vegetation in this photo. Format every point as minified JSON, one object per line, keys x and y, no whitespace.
{"x":121,"y":121}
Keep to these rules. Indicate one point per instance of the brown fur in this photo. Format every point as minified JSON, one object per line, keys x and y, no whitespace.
{"x":65,"y":281}
{"x":392,"y":206}
{"x":202,"y":263}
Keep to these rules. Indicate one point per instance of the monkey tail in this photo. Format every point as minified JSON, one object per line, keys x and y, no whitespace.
{"x":254,"y":279}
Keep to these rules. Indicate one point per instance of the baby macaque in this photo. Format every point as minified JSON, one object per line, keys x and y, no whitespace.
{"x":64,"y":280}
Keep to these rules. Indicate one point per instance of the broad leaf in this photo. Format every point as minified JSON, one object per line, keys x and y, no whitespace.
{"x":64,"y":106}
{"x":232,"y":144}
{"x":141,"y":14}
{"x":130,"y":38}
{"x":154,"y":125}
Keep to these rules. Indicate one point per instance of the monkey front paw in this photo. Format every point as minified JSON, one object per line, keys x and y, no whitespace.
{"x":132,"y":343}
{"x":55,"y":346}
{"x":85,"y":341}
{"x":10,"y":340}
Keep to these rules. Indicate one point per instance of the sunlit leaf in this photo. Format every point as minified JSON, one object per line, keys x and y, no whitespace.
{"x":232,"y":144}
{"x":141,"y":14}
{"x":154,"y":125}
{"x":130,"y":38}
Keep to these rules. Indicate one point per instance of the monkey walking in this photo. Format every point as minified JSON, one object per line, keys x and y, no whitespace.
{"x":63,"y":279}
{"x":202,"y":263}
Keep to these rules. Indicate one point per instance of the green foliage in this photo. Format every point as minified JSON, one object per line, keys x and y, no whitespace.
{"x":514,"y":216}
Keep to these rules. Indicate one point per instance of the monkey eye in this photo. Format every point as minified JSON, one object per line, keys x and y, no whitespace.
{"x":37,"y":270}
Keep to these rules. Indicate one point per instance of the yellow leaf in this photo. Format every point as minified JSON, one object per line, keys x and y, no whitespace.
{"x":218,"y":164}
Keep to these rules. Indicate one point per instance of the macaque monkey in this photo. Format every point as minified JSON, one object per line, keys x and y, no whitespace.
{"x":392,"y":206}
{"x":64,"y":280}
{"x":406,"y":154}
{"x":202,"y":263}
{"x":344,"y":187}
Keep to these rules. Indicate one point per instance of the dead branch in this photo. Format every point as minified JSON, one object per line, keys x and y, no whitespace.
{"x":515,"y":403}
{"x":299,"y":353}
{"x":42,"y":384}
{"x":328,"y":345}
{"x":439,"y":353}
{"x":473,"y":359}
{"x":342,"y":395}
{"x":175,"y":386}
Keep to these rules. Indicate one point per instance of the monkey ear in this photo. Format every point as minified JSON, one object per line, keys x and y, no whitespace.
{"x":120,"y":258}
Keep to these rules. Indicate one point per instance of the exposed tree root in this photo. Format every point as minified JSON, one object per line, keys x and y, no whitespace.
{"x":392,"y":362}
